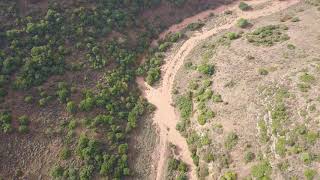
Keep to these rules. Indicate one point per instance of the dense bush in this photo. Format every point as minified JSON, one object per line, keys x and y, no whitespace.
{"x":153,"y":75}
{"x":185,"y":106}
{"x":5,"y":122}
{"x":262,"y":170}
{"x":207,"y":69}
{"x":244,"y":6}
{"x":243,"y":23}
{"x":71,"y":107}
{"x":232,"y":35}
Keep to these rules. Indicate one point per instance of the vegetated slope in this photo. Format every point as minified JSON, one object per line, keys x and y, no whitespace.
{"x":254,"y":94}
{"x":165,"y":116}
{"x":68,"y":95}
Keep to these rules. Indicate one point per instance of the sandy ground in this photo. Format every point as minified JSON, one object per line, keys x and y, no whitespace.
{"x":165,"y":116}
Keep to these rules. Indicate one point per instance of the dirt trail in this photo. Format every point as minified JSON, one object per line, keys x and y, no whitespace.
{"x":165,"y":116}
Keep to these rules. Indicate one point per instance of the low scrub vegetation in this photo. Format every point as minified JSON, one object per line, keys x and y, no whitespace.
{"x":268,"y":35}
{"x":244,"y":6}
{"x":231,"y":140}
{"x":262,"y":170}
{"x":206,"y":69}
{"x":243,"y":23}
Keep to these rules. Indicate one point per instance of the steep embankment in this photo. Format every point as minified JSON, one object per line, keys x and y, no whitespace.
{"x":165,"y":116}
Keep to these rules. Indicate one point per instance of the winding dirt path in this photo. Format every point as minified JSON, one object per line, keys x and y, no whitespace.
{"x":165,"y":116}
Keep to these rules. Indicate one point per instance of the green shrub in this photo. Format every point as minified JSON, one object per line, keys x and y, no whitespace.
{"x":249,"y":156}
{"x":311,"y":137}
{"x":231,"y":140}
{"x":23,"y":129}
{"x":182,"y":177}
{"x":207,"y":69}
{"x":229,"y":176}
{"x":65,"y":153}
{"x":263,"y":71}
{"x":43,"y":102}
{"x":87,"y":104}
{"x":232,"y":35}
{"x":71,"y":107}
{"x":185,"y":106}
{"x":202,"y":120}
{"x":174,"y":37}
{"x":304,"y":87}
{"x":182,"y":167}
{"x":208,"y":157}
{"x":153,"y":75}
{"x":281,"y":146}
{"x":306,"y":157}
{"x":28,"y":99}
{"x":244,"y":6}
{"x":23,"y":120}
{"x":173,"y":164}
{"x":57,"y":172}
{"x":43,"y":94}
{"x":5,"y":122}
{"x":72,"y":124}
{"x":291,"y":46}
{"x":310,"y":174}
{"x":123,"y":148}
{"x":263,"y":131}
{"x":164,"y":46}
{"x":71,"y":173}
{"x":217,"y":98}
{"x":204,"y":116}
{"x":7,"y":128}
{"x":86,"y":172}
{"x":243,"y":23}
{"x":195,"y":159}
{"x":63,"y":94}
{"x":307,"y":78}
{"x":204,"y":95}
{"x":279,"y":116}
{"x":193,"y":85}
{"x":205,"y":140}
{"x":261,"y":170}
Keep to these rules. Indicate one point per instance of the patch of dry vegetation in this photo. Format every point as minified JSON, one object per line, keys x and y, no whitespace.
{"x":271,"y":128}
